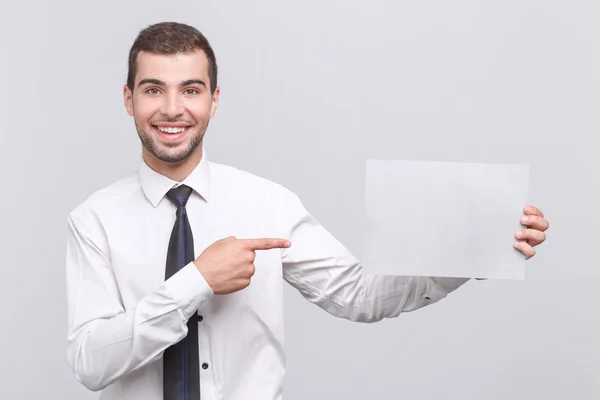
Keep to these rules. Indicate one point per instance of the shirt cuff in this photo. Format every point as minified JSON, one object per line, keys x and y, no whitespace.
{"x":433,"y":292}
{"x":189,"y":289}
{"x":438,"y":288}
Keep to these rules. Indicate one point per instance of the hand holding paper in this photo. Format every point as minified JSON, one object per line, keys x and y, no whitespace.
{"x":534,"y":234}
{"x":448,"y":219}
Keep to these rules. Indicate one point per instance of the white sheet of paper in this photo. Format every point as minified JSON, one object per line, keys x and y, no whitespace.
{"x":431,"y":218}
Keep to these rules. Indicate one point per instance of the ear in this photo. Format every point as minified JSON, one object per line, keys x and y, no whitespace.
{"x":215,"y":101}
{"x":128,"y":100}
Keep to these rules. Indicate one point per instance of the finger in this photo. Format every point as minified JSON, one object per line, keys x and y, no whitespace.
{"x":532,"y":236}
{"x":526,"y":249}
{"x":531,"y":210}
{"x":248,"y":272}
{"x":249,"y":256}
{"x":265,"y":243}
{"x":535,"y":222}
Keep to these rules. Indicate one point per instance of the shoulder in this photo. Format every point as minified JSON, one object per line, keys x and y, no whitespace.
{"x":242,"y":182}
{"x":106,"y":198}
{"x":244,"y":191}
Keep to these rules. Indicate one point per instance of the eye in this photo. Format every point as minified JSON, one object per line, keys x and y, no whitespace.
{"x":152,"y":91}
{"x":191,"y":92}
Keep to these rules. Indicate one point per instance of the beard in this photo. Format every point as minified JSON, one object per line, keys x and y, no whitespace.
{"x":171,"y":154}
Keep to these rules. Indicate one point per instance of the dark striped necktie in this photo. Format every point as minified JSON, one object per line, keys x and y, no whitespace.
{"x":181,"y":370}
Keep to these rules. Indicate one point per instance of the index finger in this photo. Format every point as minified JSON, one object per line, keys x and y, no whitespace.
{"x":265,"y":243}
{"x":531,"y":210}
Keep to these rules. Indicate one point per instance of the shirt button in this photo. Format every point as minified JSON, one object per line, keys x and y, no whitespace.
{"x":200,"y":318}
{"x":205,"y":366}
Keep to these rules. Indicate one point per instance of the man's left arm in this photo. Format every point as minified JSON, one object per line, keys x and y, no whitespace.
{"x":327,"y":274}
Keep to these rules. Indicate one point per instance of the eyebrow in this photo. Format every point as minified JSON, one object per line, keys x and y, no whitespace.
{"x":151,"y":81}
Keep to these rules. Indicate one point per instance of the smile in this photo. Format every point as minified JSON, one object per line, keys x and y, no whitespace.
{"x":170,"y":130}
{"x":171,"y":133}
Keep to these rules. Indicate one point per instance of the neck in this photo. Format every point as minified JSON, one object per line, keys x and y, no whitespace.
{"x":177,"y":172}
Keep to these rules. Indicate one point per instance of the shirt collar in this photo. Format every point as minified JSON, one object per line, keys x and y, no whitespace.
{"x":155,"y":186}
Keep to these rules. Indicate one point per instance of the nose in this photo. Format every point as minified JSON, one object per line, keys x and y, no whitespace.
{"x":173,"y":106}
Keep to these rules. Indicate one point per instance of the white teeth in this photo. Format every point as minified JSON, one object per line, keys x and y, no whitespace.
{"x":171,"y":130}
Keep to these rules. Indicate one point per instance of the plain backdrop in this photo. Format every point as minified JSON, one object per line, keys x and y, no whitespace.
{"x":309,"y":90}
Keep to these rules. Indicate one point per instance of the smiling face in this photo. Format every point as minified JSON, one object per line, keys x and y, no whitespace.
{"x":171,"y":104}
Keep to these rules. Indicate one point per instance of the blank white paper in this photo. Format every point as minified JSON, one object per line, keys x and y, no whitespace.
{"x":444,"y":219}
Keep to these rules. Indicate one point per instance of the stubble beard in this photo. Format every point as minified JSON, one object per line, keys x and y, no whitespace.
{"x":168,"y":154}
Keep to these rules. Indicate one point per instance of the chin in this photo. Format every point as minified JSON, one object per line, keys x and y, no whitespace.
{"x":174,"y":154}
{"x":169,"y":156}
{"x":172,"y":151}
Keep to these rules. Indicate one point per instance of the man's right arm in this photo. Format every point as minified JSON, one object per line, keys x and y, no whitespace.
{"x":105,"y":340}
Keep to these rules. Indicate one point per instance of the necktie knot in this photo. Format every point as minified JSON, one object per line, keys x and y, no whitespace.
{"x":179,"y":195}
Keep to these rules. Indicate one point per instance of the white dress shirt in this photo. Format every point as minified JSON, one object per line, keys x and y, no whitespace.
{"x":122,"y":314}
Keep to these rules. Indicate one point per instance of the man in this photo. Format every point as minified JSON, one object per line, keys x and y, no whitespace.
{"x":174,"y":274}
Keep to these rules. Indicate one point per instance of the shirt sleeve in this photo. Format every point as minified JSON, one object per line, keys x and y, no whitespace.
{"x":105,"y":340}
{"x":327,"y":274}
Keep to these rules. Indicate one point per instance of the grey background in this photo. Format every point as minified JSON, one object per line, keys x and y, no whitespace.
{"x":309,"y":90}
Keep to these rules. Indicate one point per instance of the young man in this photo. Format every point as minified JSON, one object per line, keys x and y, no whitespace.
{"x":174,"y":274}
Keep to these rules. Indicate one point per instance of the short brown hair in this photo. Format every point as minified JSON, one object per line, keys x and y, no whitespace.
{"x":171,"y":38}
